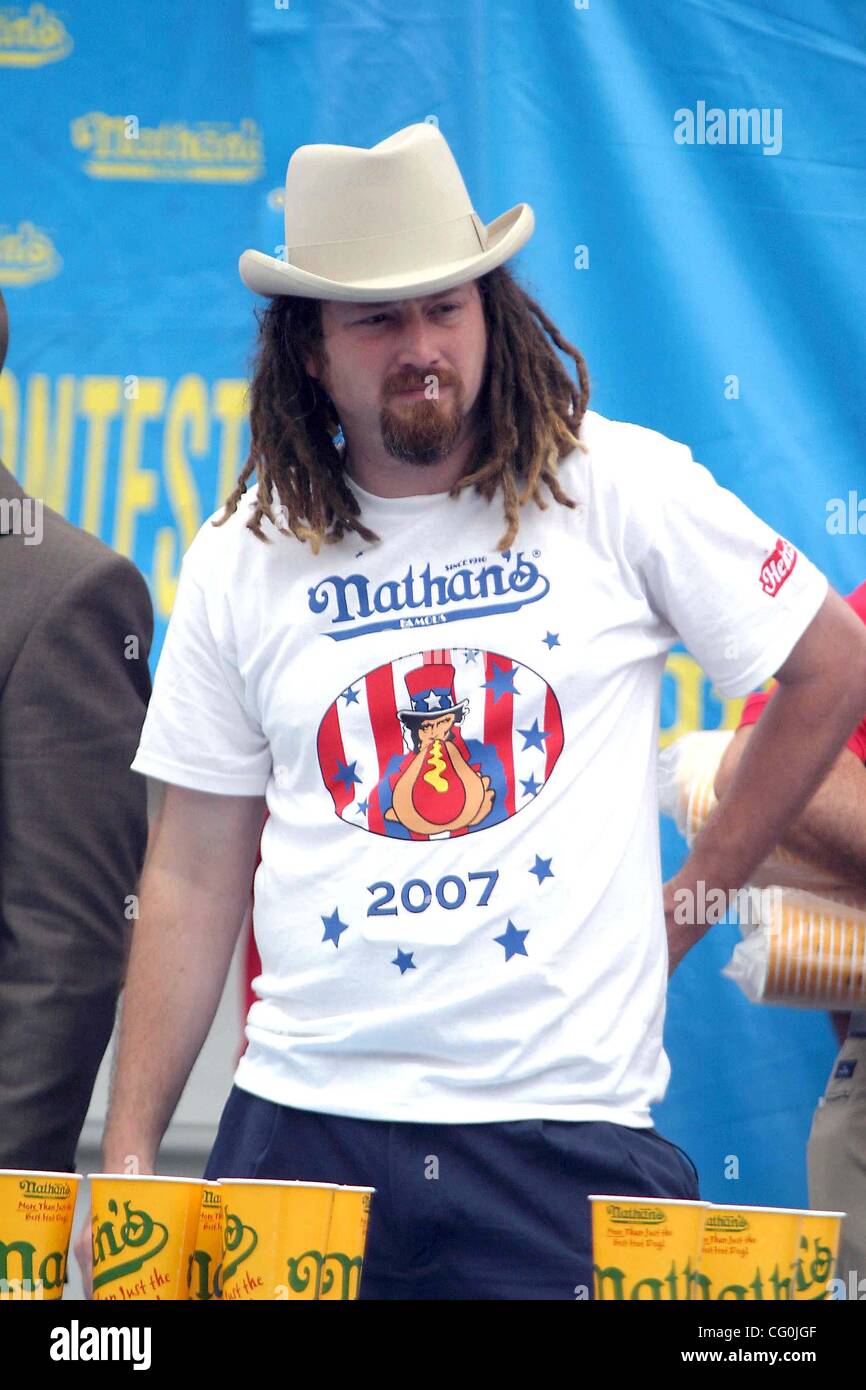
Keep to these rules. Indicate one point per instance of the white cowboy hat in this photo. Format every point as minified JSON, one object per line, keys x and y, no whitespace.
{"x":391,"y":222}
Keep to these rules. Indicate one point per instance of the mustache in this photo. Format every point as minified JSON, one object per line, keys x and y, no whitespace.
{"x":415,"y":385}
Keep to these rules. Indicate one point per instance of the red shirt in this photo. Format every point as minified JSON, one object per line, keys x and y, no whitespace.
{"x":755,"y":703}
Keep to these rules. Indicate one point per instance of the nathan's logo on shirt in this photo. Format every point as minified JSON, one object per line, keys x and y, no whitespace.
{"x":439,"y":744}
{"x":777,"y":566}
{"x":475,"y":588}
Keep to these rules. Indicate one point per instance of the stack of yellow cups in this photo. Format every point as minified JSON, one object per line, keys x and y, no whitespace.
{"x":144,"y":1231}
{"x":36,"y":1210}
{"x":292,"y":1239}
{"x":205,"y":1266}
{"x":645,"y":1247}
{"x":660,"y":1249}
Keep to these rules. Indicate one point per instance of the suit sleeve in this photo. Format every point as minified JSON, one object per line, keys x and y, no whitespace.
{"x":74,"y":832}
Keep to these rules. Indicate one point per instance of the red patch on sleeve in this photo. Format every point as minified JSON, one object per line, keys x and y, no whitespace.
{"x":777,"y":566}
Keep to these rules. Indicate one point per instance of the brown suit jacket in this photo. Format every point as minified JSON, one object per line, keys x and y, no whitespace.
{"x":73,"y":819}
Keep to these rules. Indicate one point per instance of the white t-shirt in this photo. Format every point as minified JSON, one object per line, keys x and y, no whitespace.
{"x":459,"y":905}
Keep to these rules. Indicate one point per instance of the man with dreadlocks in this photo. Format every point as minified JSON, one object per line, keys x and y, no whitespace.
{"x":452,"y":724}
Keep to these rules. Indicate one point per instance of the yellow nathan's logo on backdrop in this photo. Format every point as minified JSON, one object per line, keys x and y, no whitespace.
{"x":27,"y":255}
{"x":123,"y":147}
{"x":30,"y":38}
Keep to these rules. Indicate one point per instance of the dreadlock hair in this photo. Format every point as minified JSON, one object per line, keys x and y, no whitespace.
{"x":530,"y":413}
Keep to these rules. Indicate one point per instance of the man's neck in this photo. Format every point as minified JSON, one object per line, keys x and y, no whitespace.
{"x":385,"y":476}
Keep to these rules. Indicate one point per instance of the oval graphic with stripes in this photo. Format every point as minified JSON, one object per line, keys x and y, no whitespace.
{"x":439,"y":743}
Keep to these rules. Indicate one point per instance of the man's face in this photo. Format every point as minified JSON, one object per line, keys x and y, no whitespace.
{"x":374,"y":353}
{"x":435,"y":728}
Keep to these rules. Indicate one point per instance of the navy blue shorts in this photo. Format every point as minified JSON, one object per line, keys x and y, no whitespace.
{"x":475,"y":1211}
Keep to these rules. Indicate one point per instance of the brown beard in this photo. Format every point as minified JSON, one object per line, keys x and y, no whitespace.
{"x":423,"y":431}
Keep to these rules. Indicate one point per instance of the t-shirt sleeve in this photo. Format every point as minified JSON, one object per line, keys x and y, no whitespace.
{"x":737,"y":593}
{"x":199,"y":731}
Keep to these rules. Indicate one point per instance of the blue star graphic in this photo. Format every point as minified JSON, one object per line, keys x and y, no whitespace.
{"x":552,"y":640}
{"x":531,"y":787}
{"x":534,"y":736}
{"x":405,"y":961}
{"x":541,"y":868}
{"x":501,"y":683}
{"x":350,"y":696}
{"x":470,"y":654}
{"x":363,"y":806}
{"x":513,"y":940}
{"x":346,"y":774}
{"x":334,"y":927}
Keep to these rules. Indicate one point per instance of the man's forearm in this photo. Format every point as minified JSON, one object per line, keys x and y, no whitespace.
{"x":788,"y":756}
{"x":177,"y":969}
{"x":830,"y":831}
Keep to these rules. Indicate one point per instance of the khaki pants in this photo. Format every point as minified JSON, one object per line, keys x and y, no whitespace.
{"x":837,"y":1154}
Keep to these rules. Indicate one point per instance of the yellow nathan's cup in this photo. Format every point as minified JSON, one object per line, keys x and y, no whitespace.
{"x":275,"y":1238}
{"x":36,"y":1210}
{"x":347,"y":1240}
{"x":144,"y":1229}
{"x":205,"y":1262}
{"x":817,"y":1253}
{"x":645,"y":1247}
{"x":748,"y":1253}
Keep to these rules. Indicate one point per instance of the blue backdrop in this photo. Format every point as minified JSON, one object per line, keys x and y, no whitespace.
{"x":697,"y":174}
